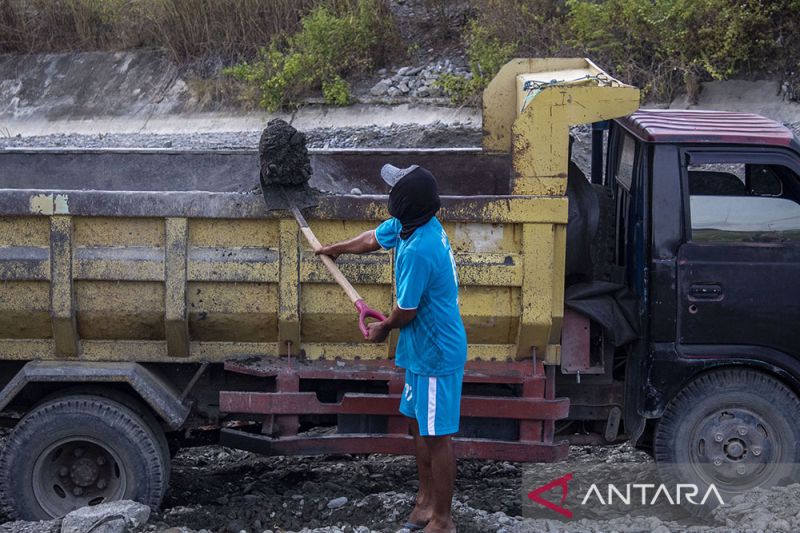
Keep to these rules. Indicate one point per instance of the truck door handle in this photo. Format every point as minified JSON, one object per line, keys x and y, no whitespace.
{"x":705,"y":291}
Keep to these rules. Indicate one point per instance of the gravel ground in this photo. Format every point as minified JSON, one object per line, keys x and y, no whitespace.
{"x":216,"y":489}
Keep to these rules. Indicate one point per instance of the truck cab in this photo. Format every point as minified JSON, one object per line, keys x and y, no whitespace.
{"x":707,"y":214}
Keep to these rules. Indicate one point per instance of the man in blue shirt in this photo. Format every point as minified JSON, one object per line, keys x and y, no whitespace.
{"x":432,"y":347}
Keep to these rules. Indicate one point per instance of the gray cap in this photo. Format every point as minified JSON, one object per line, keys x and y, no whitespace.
{"x":391,"y":174}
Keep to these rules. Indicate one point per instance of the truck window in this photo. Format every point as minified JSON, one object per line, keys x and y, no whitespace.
{"x":742,"y":202}
{"x":624,"y":169}
{"x":731,"y":179}
{"x":717,"y":179}
{"x":625,"y":183}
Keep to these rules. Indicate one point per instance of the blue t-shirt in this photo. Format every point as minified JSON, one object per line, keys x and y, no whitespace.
{"x":434,"y":343}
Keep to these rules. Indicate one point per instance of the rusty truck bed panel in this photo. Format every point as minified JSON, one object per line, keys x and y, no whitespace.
{"x":157,"y":255}
{"x":104,"y":264}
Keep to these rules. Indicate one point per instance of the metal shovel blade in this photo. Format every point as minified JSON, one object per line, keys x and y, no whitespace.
{"x":302,"y":196}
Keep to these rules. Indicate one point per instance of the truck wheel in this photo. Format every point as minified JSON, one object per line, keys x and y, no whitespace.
{"x":137,"y":406}
{"x":736,"y":429}
{"x":80,"y":450}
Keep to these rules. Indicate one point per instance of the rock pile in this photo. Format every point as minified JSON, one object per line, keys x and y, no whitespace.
{"x":417,"y":82}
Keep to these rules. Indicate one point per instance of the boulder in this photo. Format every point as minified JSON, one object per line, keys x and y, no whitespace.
{"x":380,"y":88}
{"x":112,"y":517}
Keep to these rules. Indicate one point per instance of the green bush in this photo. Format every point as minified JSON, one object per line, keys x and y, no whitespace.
{"x":336,"y":92}
{"x":661,"y":45}
{"x":503,"y":29}
{"x":487,"y":53}
{"x":329,"y":45}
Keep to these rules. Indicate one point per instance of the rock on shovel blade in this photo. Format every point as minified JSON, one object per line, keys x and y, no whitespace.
{"x":302,"y":196}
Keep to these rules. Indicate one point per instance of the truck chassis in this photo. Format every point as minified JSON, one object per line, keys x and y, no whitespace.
{"x":536,"y":408}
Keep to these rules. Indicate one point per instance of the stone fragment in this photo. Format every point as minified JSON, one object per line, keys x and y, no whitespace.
{"x":380,"y":88}
{"x":112,"y":517}
{"x":337,"y":502}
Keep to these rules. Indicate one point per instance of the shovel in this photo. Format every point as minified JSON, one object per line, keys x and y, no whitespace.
{"x":280,"y":197}
{"x":364,"y":310}
{"x":290,"y":190}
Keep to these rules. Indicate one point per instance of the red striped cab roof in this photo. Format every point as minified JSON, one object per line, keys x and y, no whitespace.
{"x":702,"y":126}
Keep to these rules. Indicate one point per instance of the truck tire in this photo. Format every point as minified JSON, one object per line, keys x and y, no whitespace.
{"x":735,"y":428}
{"x":80,"y":450}
{"x":133,"y":403}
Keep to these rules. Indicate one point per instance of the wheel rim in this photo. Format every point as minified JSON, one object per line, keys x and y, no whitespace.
{"x":735,"y":449}
{"x":75,"y":472}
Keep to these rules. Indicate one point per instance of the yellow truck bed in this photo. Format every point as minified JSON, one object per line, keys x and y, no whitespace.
{"x":153,"y":275}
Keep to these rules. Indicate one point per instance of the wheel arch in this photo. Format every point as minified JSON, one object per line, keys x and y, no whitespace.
{"x":156,"y":393}
{"x":782,"y":372}
{"x":786,"y":371}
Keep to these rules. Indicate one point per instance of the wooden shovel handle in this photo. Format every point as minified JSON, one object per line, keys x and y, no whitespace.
{"x":331,"y":266}
{"x":364,"y":311}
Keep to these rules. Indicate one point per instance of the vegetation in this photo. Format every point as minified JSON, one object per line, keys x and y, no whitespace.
{"x":187,"y":28}
{"x":502,"y":29}
{"x":663,"y":46}
{"x":662,"y":43}
{"x":330,"y":44}
{"x":487,"y":53}
{"x":282,"y":49}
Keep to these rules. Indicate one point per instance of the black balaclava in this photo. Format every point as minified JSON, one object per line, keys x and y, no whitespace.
{"x":414,"y":200}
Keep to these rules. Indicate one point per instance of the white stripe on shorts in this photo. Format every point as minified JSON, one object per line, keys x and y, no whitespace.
{"x":431,"y":405}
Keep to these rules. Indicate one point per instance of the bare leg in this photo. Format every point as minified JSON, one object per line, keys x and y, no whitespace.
{"x":443,"y":475}
{"x":423,"y":509}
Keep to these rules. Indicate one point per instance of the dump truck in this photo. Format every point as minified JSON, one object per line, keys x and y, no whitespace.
{"x":149,"y":297}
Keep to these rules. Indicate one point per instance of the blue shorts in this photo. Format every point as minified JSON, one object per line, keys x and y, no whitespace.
{"x":434,"y":401}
